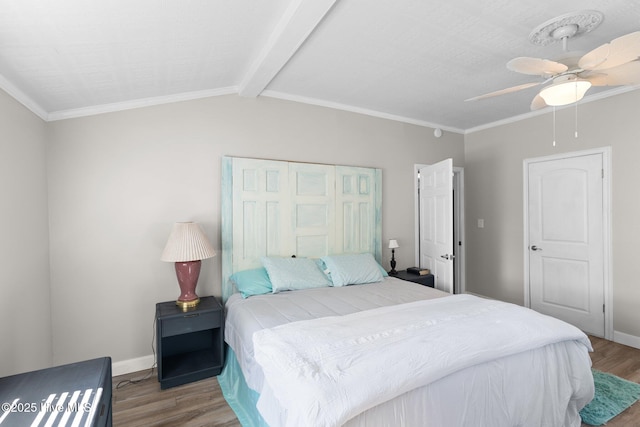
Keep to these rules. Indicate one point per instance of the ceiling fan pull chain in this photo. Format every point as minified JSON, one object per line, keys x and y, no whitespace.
{"x":576,"y":123}
{"x":554,"y":126}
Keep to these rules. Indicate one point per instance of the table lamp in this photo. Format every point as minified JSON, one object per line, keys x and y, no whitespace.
{"x":187,"y":246}
{"x":393,"y":245}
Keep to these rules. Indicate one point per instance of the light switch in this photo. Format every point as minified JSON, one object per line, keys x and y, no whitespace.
{"x":480,"y":223}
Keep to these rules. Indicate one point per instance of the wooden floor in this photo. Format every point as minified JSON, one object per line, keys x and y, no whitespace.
{"x":143,"y":403}
{"x":201,"y":403}
{"x":624,"y":362}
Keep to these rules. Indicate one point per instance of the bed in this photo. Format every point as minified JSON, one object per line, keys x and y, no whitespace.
{"x":326,"y":338}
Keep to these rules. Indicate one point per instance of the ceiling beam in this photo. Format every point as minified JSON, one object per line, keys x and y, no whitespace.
{"x":295,"y":26}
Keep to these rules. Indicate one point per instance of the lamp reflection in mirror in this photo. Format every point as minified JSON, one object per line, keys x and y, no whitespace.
{"x":393,"y":245}
{"x":187,"y":247}
{"x":564,"y":92}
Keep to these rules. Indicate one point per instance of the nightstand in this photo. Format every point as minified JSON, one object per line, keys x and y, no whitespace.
{"x":426,"y":280}
{"x":190,"y":343}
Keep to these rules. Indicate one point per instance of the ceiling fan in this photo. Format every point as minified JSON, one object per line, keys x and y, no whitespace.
{"x":612,"y":64}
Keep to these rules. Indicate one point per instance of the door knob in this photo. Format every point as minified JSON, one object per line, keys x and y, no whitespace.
{"x":447,"y":256}
{"x":535,"y":248}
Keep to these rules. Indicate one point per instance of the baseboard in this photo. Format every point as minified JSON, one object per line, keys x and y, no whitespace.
{"x":626,"y":339}
{"x":132,"y":365}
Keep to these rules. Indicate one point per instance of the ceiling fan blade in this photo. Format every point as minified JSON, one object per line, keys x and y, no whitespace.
{"x":536,"y":66}
{"x":538,"y":103}
{"x":504,"y":91}
{"x":620,"y":51}
{"x":625,"y":74}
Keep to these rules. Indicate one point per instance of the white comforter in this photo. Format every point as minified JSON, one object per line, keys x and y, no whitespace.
{"x":325,"y":371}
{"x":247,"y":316}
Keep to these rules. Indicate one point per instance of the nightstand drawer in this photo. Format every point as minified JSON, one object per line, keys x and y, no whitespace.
{"x":190,"y":322}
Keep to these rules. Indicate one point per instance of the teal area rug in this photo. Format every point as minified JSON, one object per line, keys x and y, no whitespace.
{"x":613,"y":395}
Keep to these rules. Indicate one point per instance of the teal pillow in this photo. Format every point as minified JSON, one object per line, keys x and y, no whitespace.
{"x":288,"y":274}
{"x":252,"y":282}
{"x":383,"y":271}
{"x":353,"y":269}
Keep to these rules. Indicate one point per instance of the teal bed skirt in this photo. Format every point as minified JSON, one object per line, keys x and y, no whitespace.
{"x":237,"y":393}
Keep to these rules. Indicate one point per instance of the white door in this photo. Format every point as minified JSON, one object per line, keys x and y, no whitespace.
{"x":260,"y":193}
{"x":357,"y":210}
{"x":312,"y":198}
{"x":566,"y":240}
{"x":435,"y":203}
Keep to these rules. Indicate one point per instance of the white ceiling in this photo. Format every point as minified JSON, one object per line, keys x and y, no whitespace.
{"x":411,"y":60}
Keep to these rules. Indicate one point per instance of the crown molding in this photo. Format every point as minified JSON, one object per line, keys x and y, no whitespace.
{"x":23,"y":98}
{"x":352,"y":109}
{"x":139,"y":103}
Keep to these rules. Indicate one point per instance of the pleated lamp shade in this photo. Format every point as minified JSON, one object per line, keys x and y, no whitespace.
{"x":187,"y":242}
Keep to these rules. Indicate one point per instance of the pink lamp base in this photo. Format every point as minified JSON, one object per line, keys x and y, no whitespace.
{"x":188,"y":273}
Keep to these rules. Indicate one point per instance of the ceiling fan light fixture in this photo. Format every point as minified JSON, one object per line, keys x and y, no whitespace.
{"x":565,"y":92}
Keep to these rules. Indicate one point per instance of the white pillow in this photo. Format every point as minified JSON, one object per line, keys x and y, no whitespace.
{"x":287,"y":274}
{"x":353,"y":269}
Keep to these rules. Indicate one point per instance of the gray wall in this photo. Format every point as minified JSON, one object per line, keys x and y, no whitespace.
{"x":25,"y":315}
{"x":494,"y":192}
{"x":118,"y":181}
